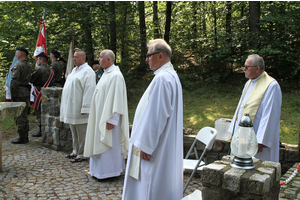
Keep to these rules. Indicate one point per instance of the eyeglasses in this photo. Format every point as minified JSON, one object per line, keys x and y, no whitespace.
{"x":246,"y":67}
{"x":149,"y":55}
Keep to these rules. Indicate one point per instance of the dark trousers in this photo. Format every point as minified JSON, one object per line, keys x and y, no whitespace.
{"x":22,"y":120}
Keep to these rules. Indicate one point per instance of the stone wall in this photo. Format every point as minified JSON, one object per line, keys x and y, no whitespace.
{"x":221,"y":181}
{"x":55,"y":133}
{"x":288,"y":156}
{"x":58,"y":135}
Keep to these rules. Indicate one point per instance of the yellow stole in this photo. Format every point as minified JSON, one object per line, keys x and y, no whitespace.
{"x":252,"y":104}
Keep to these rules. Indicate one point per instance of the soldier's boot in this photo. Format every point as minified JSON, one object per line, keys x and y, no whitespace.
{"x":38,"y":133}
{"x":20,"y":140}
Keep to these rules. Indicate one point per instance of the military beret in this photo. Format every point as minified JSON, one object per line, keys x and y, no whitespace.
{"x":55,"y":53}
{"x":95,"y":62}
{"x":22,"y":49}
{"x":42,"y":55}
{"x":61,"y":59}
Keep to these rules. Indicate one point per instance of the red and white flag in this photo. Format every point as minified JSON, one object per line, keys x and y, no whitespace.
{"x":41,"y":46}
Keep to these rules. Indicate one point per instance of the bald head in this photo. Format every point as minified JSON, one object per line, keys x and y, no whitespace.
{"x":106,"y":58}
{"x":79,"y":57}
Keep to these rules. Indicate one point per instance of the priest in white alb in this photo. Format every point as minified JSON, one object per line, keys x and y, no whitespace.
{"x":261,"y":98}
{"x":107,"y":133}
{"x":154,"y":167}
{"x":75,"y":103}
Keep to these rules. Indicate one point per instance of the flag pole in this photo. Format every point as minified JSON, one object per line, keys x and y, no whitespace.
{"x":44,"y":18}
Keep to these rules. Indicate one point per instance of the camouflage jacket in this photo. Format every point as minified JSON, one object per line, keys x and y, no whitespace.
{"x":58,"y":71}
{"x":98,"y":75}
{"x":40,"y":76}
{"x":20,"y":78}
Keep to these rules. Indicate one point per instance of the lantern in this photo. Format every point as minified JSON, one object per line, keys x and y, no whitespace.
{"x":244,"y":144}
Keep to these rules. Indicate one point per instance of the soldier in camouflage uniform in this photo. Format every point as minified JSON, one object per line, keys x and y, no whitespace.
{"x":98,"y":71}
{"x":20,"y":92}
{"x":38,"y":78}
{"x":63,"y":62}
{"x":57,"y":68}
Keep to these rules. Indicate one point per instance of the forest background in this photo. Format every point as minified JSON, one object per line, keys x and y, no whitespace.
{"x":210,"y":41}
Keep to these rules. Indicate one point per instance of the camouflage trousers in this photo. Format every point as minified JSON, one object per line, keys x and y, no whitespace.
{"x":38,"y":112}
{"x":22,"y":120}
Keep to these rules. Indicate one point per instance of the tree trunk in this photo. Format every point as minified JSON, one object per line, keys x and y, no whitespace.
{"x":194,"y":24}
{"x":204,"y":19}
{"x":254,"y":18}
{"x":168,"y":21}
{"x":88,"y":38}
{"x":215,"y":24}
{"x":124,"y":45}
{"x":113,"y":27}
{"x":155,"y":20}
{"x":142,"y":68}
{"x":228,"y":20}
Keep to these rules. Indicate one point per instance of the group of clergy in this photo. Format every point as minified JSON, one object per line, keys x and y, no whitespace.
{"x":98,"y":119}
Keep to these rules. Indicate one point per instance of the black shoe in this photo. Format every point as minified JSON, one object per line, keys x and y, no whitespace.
{"x":281,"y":145}
{"x":20,"y":141}
{"x":37,"y":134}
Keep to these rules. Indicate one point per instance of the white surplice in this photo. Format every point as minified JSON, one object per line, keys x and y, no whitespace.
{"x":158,"y":131}
{"x":267,"y":121}
{"x":77,"y":94}
{"x":107,"y":149}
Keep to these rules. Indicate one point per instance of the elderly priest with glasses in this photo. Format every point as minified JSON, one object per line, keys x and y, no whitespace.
{"x":261,"y":98}
{"x":155,"y":158}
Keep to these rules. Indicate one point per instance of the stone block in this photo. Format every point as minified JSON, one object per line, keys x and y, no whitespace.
{"x":50,"y":120}
{"x":188,"y":140}
{"x":211,"y":156}
{"x":200,"y":146}
{"x":218,"y":146}
{"x":45,"y":109}
{"x":209,"y":194}
{"x":65,"y":126}
{"x":259,"y":184}
{"x":212,"y":174}
{"x":275,"y":165}
{"x":269,"y":170}
{"x":54,"y":102}
{"x":44,"y":120}
{"x":226,"y":146}
{"x":57,"y":123}
{"x":54,"y":111}
{"x":291,"y":156}
{"x":232,"y":180}
{"x":49,"y":138}
{"x":56,"y":136}
{"x":47,"y":129}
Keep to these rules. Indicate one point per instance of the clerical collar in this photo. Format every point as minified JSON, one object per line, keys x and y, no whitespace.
{"x":81,"y":67}
{"x":255,"y":80}
{"x":162,"y":67}
{"x":109,"y":68}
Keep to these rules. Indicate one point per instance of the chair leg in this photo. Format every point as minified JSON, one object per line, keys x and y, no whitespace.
{"x":194,"y":171}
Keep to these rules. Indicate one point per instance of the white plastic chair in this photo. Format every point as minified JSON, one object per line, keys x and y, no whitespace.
{"x":196,"y":195}
{"x":207,"y":136}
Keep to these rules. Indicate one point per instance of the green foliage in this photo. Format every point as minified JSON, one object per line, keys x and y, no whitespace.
{"x":201,"y":45}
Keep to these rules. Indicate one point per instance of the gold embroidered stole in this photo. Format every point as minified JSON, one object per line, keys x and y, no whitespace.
{"x":252,"y":104}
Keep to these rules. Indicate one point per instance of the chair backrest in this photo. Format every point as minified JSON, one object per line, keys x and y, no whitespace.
{"x":207,"y":135}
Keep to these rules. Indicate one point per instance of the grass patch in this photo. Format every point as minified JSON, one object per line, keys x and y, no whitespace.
{"x":205,"y":104}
